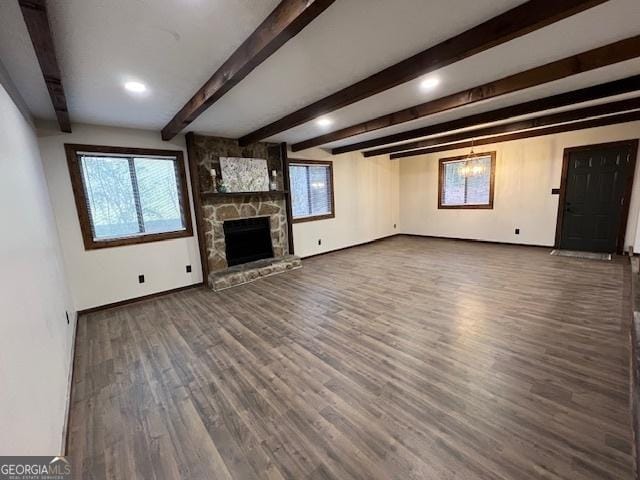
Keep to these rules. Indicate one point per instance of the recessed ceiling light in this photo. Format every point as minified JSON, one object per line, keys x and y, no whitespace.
{"x":324,"y":122}
{"x":429,"y":83}
{"x":135,"y":87}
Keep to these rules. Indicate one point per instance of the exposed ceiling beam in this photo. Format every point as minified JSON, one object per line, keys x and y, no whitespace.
{"x":282,"y":24}
{"x":596,"y":92}
{"x":542,"y":121}
{"x":514,"y":23}
{"x":583,"y":62}
{"x":36,"y":19}
{"x":540,"y":132}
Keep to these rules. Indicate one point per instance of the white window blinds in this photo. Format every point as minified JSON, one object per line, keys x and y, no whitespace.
{"x":466,"y":181}
{"x":311,"y":190}
{"x":130,"y":196}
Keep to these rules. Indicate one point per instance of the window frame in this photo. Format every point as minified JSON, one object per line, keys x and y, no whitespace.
{"x":293,"y":162}
{"x":441,"y":182}
{"x":73,"y":151}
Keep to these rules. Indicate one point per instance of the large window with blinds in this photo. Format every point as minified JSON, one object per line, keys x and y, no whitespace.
{"x":467,"y":181}
{"x":127,"y":196}
{"x":311,"y":190}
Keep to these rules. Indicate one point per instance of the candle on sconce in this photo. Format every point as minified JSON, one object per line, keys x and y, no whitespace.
{"x":273,"y":185}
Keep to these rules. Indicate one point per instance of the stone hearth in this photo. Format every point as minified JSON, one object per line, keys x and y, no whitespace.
{"x":248,"y":272}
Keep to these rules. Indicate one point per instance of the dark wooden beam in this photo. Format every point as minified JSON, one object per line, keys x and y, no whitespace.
{"x":583,"y":62}
{"x":284,"y":159}
{"x":37,"y":21}
{"x":540,"y":132}
{"x":282,"y":24}
{"x":542,"y":121}
{"x":596,"y":92}
{"x":514,"y":23}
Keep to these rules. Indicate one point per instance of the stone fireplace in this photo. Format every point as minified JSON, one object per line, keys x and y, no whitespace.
{"x":247,"y":210}
{"x":217,"y":211}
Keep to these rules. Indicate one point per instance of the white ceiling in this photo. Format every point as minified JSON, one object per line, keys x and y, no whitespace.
{"x":19,"y":59}
{"x":173,"y":46}
{"x":595,"y":77}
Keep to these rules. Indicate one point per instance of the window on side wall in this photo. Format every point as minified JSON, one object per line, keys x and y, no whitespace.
{"x":467,"y":181}
{"x":126,"y":196}
{"x":311,"y":190}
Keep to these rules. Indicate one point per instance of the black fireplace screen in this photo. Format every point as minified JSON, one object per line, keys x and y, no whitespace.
{"x":247,"y":239}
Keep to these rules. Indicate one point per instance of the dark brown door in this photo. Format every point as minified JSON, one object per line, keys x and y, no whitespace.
{"x":596,"y":186}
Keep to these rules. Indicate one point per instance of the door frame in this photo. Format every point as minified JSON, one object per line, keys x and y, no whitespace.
{"x":633,"y":144}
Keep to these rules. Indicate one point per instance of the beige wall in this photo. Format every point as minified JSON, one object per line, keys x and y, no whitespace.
{"x":108,"y":275}
{"x":35,"y":356}
{"x":366,"y":196}
{"x":526,"y":171}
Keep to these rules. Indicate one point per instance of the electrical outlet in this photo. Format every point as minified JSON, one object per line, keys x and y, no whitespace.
{"x":188,"y":268}
{"x":394,"y":225}
{"x":517,"y":231}
{"x":140,"y":278}
{"x":67,"y":314}
{"x":319,"y":241}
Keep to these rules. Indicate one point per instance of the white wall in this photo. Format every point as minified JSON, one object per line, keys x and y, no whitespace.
{"x":100,"y":277}
{"x":366,"y":197}
{"x":35,"y":356}
{"x":371,"y":194}
{"x":526,"y":171}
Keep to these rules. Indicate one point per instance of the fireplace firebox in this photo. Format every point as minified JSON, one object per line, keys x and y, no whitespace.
{"x":247,"y":240}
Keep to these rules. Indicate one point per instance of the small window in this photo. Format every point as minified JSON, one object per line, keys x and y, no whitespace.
{"x":467,"y":181}
{"x":311,"y":190}
{"x":127,"y":196}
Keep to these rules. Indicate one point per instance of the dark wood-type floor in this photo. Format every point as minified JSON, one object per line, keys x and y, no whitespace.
{"x":404,"y":359}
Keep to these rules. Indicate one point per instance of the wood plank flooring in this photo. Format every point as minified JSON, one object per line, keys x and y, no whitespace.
{"x":408,"y":358}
